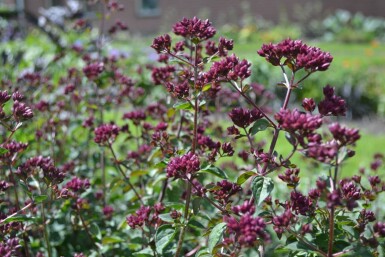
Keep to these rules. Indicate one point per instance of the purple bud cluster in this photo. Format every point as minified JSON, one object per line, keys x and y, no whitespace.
{"x":229,"y":68}
{"x":343,"y":135}
{"x":46,"y":164}
{"x":244,"y":117}
{"x":105,"y":134}
{"x":290,"y":177}
{"x":248,"y":230}
{"x":194,"y":28}
{"x":224,"y":190}
{"x":298,"y":54}
{"x":136,"y":116}
{"x":332,"y":104}
{"x":181,"y":166}
{"x":295,"y":120}
{"x":143,"y":216}
{"x":282,"y":222}
{"x":93,"y":70}
{"x":21,"y":111}
{"x":76,"y":184}
{"x":162,"y":43}
{"x":8,"y":248}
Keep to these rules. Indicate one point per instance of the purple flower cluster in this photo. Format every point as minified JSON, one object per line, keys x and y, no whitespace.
{"x":21,"y":111}
{"x":180,"y":90}
{"x":162,"y":43}
{"x":290,"y":177}
{"x":248,"y":229}
{"x":194,"y":28}
{"x":136,"y":116}
{"x":332,"y":104}
{"x":343,"y":135}
{"x":301,"y":204}
{"x":229,"y":68}
{"x":105,"y":134}
{"x":295,"y":120}
{"x":244,"y":117}
{"x":224,"y":190}
{"x":282,"y":222}
{"x":143,"y":216}
{"x":93,"y":70}
{"x":224,"y":46}
{"x":8,"y":248}
{"x":46,"y":164}
{"x":76,"y":184}
{"x":181,"y":166}
{"x":298,"y":54}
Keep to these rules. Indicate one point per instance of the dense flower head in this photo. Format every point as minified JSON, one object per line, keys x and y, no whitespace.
{"x":194,"y":28}
{"x":21,"y":111}
{"x":281,"y":222}
{"x":244,"y":117}
{"x":138,"y":219}
{"x":246,"y":208}
{"x":8,"y":248}
{"x":4,"y":185}
{"x":291,"y":177}
{"x":224,"y":190}
{"x":323,"y":152}
{"x":136,"y":116}
{"x":180,"y":90}
{"x":229,"y":68}
{"x":308,"y":104}
{"x":350,"y":192}
{"x":76,"y":184}
{"x":298,"y":54}
{"x":106,"y":134}
{"x":379,"y":227}
{"x":181,"y":166}
{"x":162,"y":43}
{"x":93,"y":70}
{"x":224,"y":46}
{"x":161,"y":75}
{"x":248,"y":230}
{"x":46,"y":164}
{"x":4,"y":97}
{"x":332,"y":104}
{"x":301,"y":204}
{"x":343,"y":135}
{"x":14,"y":147}
{"x":295,"y":120}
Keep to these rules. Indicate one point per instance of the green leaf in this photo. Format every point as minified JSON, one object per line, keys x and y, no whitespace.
{"x":259,"y":125}
{"x":183,"y":106}
{"x":95,"y":231}
{"x":146,"y":252}
{"x":206,"y":87}
{"x":166,"y":217}
{"x":215,"y":171}
{"x":3,"y":150}
{"x":17,"y":218}
{"x":40,"y":198}
{"x":112,"y":240}
{"x":164,"y":235}
{"x":261,"y":187}
{"x":244,"y":177}
{"x":216,"y":235}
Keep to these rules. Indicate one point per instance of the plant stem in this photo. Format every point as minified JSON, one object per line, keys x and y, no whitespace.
{"x":46,"y":237}
{"x":126,"y":179}
{"x":253,"y":104}
{"x":332,"y":210}
{"x":193,"y":149}
{"x":89,"y":233}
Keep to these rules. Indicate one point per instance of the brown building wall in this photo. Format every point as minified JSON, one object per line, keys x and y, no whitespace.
{"x":225,"y":11}
{"x":232,"y":11}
